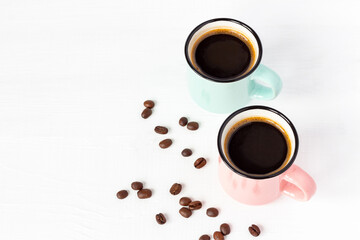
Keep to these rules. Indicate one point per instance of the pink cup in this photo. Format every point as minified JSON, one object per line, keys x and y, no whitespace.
{"x":254,"y":189}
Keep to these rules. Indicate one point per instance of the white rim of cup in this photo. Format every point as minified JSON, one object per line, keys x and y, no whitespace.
{"x":285,"y":123}
{"x":256,"y":41}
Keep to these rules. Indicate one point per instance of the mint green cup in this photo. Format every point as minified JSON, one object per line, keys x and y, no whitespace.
{"x":227,"y":95}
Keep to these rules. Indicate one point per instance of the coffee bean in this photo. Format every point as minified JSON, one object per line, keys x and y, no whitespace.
{"x":212,"y":212}
{"x":185,"y":201}
{"x":225,"y":229}
{"x":146,"y":113}
{"x":165,"y":143}
{"x":160,"y":218}
{"x":195,"y":205}
{"x":144,"y":193}
{"x":149,"y":104}
{"x":183,"y":121}
{"x":137,"y":185}
{"x":204,"y":237}
{"x":185,"y":212}
{"x":161,"y":130}
{"x":199,"y":163}
{"x":122,"y":194}
{"x":254,"y":230}
{"x":186,"y":152}
{"x":192,"y":126}
{"x":218,"y":236}
{"x":175,"y":189}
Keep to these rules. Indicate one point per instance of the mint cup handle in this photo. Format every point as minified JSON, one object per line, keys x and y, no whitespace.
{"x":265,"y":84}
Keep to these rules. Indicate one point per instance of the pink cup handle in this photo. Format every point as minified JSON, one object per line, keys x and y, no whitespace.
{"x":297,"y":184}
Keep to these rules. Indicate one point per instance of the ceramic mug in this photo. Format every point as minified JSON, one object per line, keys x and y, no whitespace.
{"x":227,"y":95}
{"x":254,"y":189}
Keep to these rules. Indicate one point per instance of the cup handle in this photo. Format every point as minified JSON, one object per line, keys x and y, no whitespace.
{"x":297,"y":184}
{"x":265,"y":84}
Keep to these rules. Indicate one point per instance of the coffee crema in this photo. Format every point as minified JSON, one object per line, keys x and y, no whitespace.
{"x":258,"y":146}
{"x":223,"y":54}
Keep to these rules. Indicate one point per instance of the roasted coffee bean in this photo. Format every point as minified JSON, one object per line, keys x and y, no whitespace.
{"x":192,"y":126}
{"x":161,"y":130}
{"x":186,"y":152}
{"x":149,"y":104}
{"x":144,"y":193}
{"x":199,"y":163}
{"x":165,"y":143}
{"x":212,"y":212}
{"x":218,"y":236}
{"x":185,"y":212}
{"x":137,"y":185}
{"x":175,"y":189}
{"x":225,"y":229}
{"x":183,"y":121}
{"x":146,"y":113}
{"x":160,"y":218}
{"x":254,"y":230}
{"x":204,"y":237}
{"x":185,"y":201}
{"x":195,"y":205}
{"x":122,"y":194}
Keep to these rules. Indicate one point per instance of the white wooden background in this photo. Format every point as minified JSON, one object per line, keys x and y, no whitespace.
{"x":74,"y":74}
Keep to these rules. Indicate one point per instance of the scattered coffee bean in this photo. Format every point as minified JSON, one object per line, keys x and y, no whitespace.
{"x":185,"y":212}
{"x":144,"y":193}
{"x":160,"y":218}
{"x":161,"y":130}
{"x":149,"y":104}
{"x":199,"y":163}
{"x":185,"y":201}
{"x":192,"y":126}
{"x":122,"y":194}
{"x":175,"y":189}
{"x":195,"y":205}
{"x":137,"y":185}
{"x":225,"y":229}
{"x":165,"y":143}
{"x":212,"y":212}
{"x":183,"y":121}
{"x":146,"y":113}
{"x":204,"y":237}
{"x":186,"y":152}
{"x":218,"y":236}
{"x":254,"y":230}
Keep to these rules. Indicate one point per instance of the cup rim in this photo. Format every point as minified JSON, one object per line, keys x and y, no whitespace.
{"x":224,"y":159}
{"x":218,"y":79}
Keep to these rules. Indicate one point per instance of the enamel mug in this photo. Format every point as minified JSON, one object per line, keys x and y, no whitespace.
{"x":226,"y":95}
{"x":253,"y":189}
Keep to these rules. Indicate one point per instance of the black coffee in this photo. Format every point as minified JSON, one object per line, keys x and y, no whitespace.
{"x":223,"y":56}
{"x":257,"y":147}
